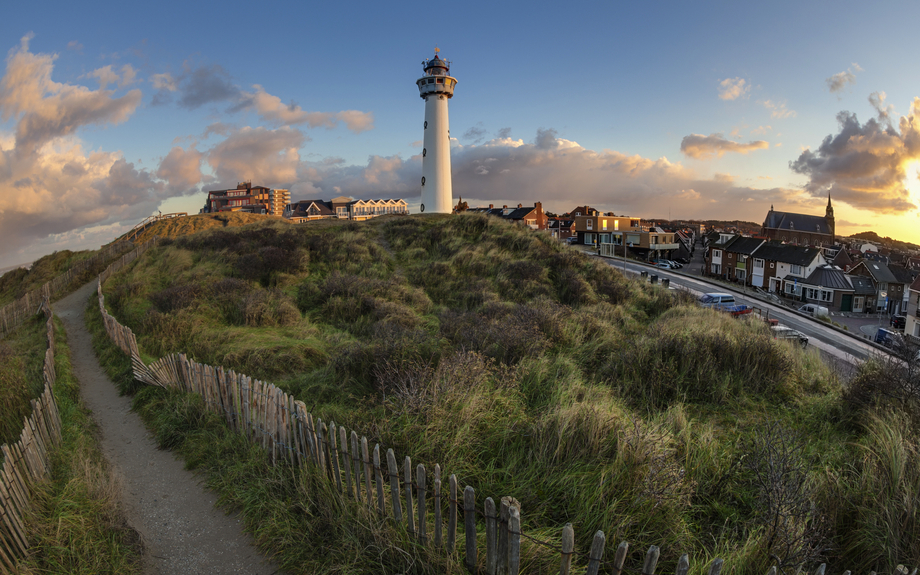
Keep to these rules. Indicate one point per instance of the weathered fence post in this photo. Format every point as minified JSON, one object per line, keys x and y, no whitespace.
{"x":597,"y":553}
{"x":367,"y":472}
{"x":407,"y":475}
{"x":514,"y":541}
{"x":452,"y":514}
{"x":378,"y":479}
{"x":469,"y":526}
{"x":683,"y":565}
{"x":421,"y":483}
{"x":393,"y":472}
{"x":620,"y":558}
{"x":568,"y":547}
{"x":437,"y":506}
{"x":356,"y":459}
{"x":343,"y":440}
{"x":716,"y":568}
{"x":335,"y":456}
{"x":491,"y":537}
{"x":651,"y":560}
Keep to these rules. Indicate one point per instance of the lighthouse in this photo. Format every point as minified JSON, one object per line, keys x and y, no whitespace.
{"x":436,"y":87}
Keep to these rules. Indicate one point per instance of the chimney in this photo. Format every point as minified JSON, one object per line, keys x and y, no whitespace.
{"x":519,"y":206}
{"x":491,"y":206}
{"x":505,"y":207}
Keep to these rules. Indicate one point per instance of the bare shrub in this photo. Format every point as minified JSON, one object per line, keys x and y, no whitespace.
{"x":795,"y":529}
{"x":887,"y":381}
{"x":659,"y":477}
{"x":508,"y":338}
{"x":175,"y":297}
{"x":416,"y":387}
{"x":572,"y":288}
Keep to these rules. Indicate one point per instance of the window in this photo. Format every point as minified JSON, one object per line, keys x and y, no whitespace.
{"x":716,"y":269}
{"x":827,"y":295}
{"x":717,"y":253}
{"x":423,"y":180}
{"x":424,"y":152}
{"x":795,"y":270}
{"x":604,"y":224}
{"x":772,"y":265}
{"x":590,"y":224}
{"x":758,"y":264}
{"x":742,"y":274}
{"x":616,"y":225}
{"x":883,"y":287}
{"x":426,"y":124}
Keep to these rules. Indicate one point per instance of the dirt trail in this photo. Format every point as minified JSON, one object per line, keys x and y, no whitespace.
{"x":183,"y":532}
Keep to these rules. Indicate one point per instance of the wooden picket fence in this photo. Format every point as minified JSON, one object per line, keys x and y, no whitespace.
{"x":27,"y":461}
{"x":408,"y":495}
{"x":15,"y":313}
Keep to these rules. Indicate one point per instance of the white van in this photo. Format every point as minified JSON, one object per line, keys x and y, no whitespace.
{"x":814,"y":310}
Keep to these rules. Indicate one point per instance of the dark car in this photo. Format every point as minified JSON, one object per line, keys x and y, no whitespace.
{"x":898,"y":321}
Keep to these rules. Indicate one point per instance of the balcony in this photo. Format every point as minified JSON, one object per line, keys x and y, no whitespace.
{"x":663,"y":246}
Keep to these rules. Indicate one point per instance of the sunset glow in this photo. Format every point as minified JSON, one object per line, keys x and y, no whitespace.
{"x":107,"y":117}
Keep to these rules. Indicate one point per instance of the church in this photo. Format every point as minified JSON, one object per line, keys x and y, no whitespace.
{"x":800,"y":229}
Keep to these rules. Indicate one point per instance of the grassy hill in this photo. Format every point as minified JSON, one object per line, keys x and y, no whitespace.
{"x":529,"y":370}
{"x":186,"y":225}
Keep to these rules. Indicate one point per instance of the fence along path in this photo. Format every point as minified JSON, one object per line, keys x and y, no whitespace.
{"x":290,"y":434}
{"x":27,"y":461}
{"x":15,"y":313}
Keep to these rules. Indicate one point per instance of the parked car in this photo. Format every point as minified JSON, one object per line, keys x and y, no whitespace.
{"x":786,"y":332}
{"x":572,"y":239}
{"x":717,"y":300}
{"x":683,"y":260}
{"x":664,"y":265}
{"x":898,"y":321}
{"x":814,"y":310}
{"x":674,"y":264}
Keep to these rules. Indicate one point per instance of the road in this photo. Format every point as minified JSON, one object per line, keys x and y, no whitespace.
{"x":841,"y":347}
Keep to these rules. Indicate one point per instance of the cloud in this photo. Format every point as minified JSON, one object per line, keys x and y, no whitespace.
{"x":106,"y":76}
{"x":206,"y":85}
{"x":699,"y":146}
{"x":164,"y":81}
{"x":260,"y":154}
{"x":884,"y":113}
{"x":777,"y":110}
{"x":45,"y":109}
{"x":760,"y":130}
{"x":865,"y":165}
{"x":733,"y":88}
{"x":181,"y":169}
{"x":475,"y":134}
{"x":276,"y":112}
{"x":75,"y":46}
{"x":839,"y":81}
{"x":504,"y":133}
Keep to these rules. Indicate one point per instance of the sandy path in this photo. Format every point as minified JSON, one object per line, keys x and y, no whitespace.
{"x":183,"y":532}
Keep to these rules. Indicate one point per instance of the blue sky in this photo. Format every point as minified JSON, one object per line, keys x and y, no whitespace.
{"x":698,"y":110}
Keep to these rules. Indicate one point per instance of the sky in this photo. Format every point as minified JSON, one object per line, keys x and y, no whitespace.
{"x":110,"y":112}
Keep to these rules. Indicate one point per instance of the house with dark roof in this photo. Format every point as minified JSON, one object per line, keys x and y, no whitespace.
{"x":912,"y":323}
{"x":828,"y":287}
{"x":843,"y":260}
{"x":560,"y":228}
{"x":863,"y":293}
{"x":531,"y":216}
{"x":800,"y":229}
{"x":779,"y":267}
{"x":343,"y":208}
{"x":306,"y":210}
{"x":889,"y":290}
{"x":737,"y":262}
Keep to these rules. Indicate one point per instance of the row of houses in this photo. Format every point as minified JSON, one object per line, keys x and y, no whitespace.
{"x":247,"y":198}
{"x":343,"y":208}
{"x":823,"y":275}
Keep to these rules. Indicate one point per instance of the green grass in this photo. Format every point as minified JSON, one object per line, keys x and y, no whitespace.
{"x":528,"y":370}
{"x":75,"y":524}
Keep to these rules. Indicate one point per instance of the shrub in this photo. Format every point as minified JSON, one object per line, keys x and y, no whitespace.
{"x":175,"y":297}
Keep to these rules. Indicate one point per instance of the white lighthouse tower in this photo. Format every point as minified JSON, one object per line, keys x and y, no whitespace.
{"x":436,"y":87}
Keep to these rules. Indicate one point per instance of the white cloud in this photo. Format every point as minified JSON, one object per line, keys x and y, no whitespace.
{"x":273,"y":110}
{"x":778,"y":109}
{"x":839,"y":81}
{"x":699,"y":146}
{"x":733,"y":88}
